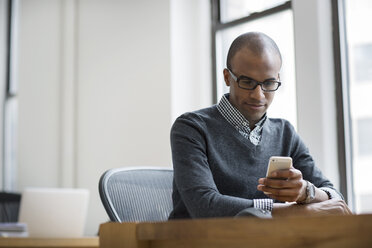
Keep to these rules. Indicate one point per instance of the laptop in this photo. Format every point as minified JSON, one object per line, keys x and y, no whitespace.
{"x":54,"y":212}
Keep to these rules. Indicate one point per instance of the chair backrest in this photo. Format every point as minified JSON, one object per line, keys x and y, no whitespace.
{"x":9,"y":206}
{"x":137,"y":194}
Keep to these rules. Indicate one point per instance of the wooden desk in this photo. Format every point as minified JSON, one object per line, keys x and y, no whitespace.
{"x":50,"y":242}
{"x":330,"y":231}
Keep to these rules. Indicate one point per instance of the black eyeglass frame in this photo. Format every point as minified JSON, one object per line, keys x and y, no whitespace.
{"x":237,"y":79}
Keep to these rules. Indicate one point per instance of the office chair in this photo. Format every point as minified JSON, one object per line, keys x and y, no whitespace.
{"x":137,"y":194}
{"x":9,"y":206}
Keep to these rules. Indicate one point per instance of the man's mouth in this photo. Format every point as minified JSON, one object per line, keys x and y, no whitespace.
{"x":255,"y":106}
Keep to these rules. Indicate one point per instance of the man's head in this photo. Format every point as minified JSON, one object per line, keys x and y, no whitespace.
{"x":254,"y":56}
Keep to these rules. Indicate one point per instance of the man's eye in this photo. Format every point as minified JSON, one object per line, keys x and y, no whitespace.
{"x":248,"y":83}
{"x":269,"y":83}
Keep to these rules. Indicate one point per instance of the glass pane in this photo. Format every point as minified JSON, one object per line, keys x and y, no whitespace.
{"x":359,"y":42}
{"x":232,"y":10}
{"x":284,"y":104}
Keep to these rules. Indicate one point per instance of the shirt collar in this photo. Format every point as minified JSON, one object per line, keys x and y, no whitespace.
{"x":233,"y":115}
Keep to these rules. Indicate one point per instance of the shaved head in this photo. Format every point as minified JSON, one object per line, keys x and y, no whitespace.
{"x":258,"y":43}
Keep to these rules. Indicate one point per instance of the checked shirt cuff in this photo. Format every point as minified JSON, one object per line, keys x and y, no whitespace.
{"x":265,"y":204}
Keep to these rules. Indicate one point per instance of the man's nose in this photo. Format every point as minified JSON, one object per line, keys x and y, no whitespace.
{"x":257,"y":93}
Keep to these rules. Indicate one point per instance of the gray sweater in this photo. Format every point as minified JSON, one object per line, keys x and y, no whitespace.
{"x":216,"y":169}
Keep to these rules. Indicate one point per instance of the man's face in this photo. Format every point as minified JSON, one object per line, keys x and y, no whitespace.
{"x":253,"y":104}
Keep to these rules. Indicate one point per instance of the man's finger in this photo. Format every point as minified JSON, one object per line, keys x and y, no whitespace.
{"x":290,"y":173}
{"x":282,"y":184}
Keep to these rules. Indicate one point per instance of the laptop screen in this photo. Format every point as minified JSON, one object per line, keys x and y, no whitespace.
{"x":54,"y":212}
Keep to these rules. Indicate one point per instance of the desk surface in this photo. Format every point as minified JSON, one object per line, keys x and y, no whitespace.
{"x":91,"y":242}
{"x":328,"y":231}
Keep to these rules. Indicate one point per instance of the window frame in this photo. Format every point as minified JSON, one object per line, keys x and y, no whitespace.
{"x":344,"y":124}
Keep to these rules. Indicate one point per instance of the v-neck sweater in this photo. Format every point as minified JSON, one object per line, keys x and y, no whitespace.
{"x":216,"y":169}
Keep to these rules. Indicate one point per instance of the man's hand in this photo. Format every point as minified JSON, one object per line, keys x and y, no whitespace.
{"x":333,"y":206}
{"x":329,"y":207}
{"x":284,"y":185}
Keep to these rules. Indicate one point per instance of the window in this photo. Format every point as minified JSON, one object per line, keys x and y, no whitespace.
{"x":364,"y":137}
{"x":359,"y":47}
{"x":233,"y":10}
{"x":362,"y":65}
{"x":273,"y":18}
{"x":354,"y":99}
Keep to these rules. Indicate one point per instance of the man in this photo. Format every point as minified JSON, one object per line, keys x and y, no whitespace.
{"x":220,"y":154}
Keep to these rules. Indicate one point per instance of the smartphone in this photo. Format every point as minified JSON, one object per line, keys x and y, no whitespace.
{"x":278,"y":163}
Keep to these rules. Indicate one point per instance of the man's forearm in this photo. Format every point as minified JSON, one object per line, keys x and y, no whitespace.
{"x":287,"y":209}
{"x":320,"y":195}
{"x":328,"y":207}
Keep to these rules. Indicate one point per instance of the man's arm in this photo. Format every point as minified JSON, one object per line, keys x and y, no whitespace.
{"x":293,"y":189}
{"x":328,"y":207}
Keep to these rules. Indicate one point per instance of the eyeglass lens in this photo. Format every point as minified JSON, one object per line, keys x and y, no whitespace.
{"x":269,"y":85}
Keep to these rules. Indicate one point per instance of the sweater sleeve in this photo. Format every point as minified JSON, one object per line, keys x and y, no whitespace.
{"x":303,"y":161}
{"x":193,"y":179}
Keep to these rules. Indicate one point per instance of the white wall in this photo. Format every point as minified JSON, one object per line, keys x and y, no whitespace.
{"x":39,"y":70}
{"x":111,"y":60}
{"x":95,"y":88}
{"x":191,"y":65}
{"x":123,"y":89}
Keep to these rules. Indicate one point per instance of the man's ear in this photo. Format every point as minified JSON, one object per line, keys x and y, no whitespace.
{"x":226,"y":76}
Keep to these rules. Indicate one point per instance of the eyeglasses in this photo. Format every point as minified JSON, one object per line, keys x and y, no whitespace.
{"x":248,"y":83}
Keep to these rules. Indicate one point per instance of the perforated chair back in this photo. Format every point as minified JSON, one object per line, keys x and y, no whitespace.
{"x":137,"y":194}
{"x":9,"y":206}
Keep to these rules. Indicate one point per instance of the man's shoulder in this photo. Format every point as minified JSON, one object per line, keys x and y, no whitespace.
{"x":204,"y":120}
{"x":201,"y":115}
